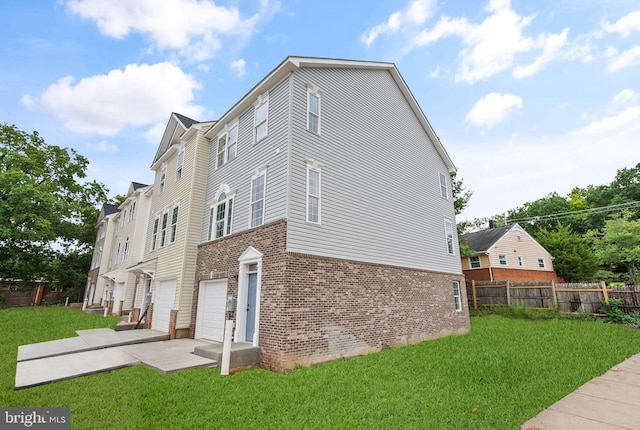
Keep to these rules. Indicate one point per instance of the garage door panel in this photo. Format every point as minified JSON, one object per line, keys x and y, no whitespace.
{"x":165,"y":296}
{"x":211,"y":310}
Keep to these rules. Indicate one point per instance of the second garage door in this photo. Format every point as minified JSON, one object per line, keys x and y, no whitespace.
{"x":211,"y":310}
{"x":163,"y":304}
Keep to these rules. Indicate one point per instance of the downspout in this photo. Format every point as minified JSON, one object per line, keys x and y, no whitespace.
{"x":490,"y":268}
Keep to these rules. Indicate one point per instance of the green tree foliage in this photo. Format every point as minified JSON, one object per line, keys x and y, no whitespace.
{"x":46,"y":212}
{"x":461,"y":195}
{"x":539,"y":214}
{"x":574,"y":260}
{"x":619,"y":243}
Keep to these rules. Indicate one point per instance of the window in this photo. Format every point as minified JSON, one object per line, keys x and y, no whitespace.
{"x":520,"y":261}
{"x":502,"y":259}
{"x":261,"y":119}
{"x":257,"y":199}
{"x":474,"y":262}
{"x":313,"y":195}
{"x":518,"y":235}
{"x":179,"y":164}
{"x":443,"y":186}
{"x":163,"y":177}
{"x":174,"y":224}
{"x":456,"y":296}
{"x":220,"y":217}
{"x":163,"y":232}
{"x":313,"y":109}
{"x":154,"y":237}
{"x":132,"y":211}
{"x":227,"y":145}
{"x":124,"y":217}
{"x":117,"y":259}
{"x":541,"y":263}
{"x":448,"y":230}
{"x":125,"y":253}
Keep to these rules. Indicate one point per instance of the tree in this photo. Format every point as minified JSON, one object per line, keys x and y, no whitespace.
{"x":539,"y":214}
{"x":46,"y":211}
{"x":619,"y":243}
{"x":461,"y":195}
{"x":574,"y":260}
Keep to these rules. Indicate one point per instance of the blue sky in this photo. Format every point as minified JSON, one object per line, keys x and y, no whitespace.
{"x":527,"y":97}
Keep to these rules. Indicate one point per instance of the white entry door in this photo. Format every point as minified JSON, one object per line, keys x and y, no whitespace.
{"x":163,"y":304}
{"x":118,"y":296}
{"x":211,"y":310}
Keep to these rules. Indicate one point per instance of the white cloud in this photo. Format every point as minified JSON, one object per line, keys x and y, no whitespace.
{"x":625,"y":120}
{"x":492,"y":109}
{"x":137,"y":96}
{"x":625,"y":96}
{"x":104,"y":147}
{"x":238,"y":66}
{"x":625,"y":25}
{"x":417,"y":13}
{"x":194,"y":28}
{"x":493,"y":45}
{"x":628,"y":58}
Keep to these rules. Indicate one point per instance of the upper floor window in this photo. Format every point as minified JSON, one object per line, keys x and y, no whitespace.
{"x":457,"y":299}
{"x":518,"y":235}
{"x":474,"y":261}
{"x":313,"y":193}
{"x":179,"y":164}
{"x":448,"y":231}
{"x":227,"y":145}
{"x":262,"y":109}
{"x":174,"y":224}
{"x":541,"y":263}
{"x":313,"y":109}
{"x":258,"y":184}
{"x":132,"y":211}
{"x":502,"y":259}
{"x":125,"y":253}
{"x":520,"y":261}
{"x":117,"y":259}
{"x":220,"y":217}
{"x":443,"y":186}
{"x":163,"y":231}
{"x":163,"y":176}
{"x":154,"y":236}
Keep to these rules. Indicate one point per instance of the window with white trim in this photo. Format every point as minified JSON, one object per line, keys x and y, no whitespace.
{"x":179,"y":164}
{"x":261,"y":115}
{"x":448,"y":231}
{"x":313,"y":194}
{"x":220,"y":217}
{"x":520,"y":261}
{"x":518,"y":235}
{"x":132,"y":211}
{"x":163,"y":231}
{"x":154,"y":236}
{"x":174,"y":224}
{"x":125,"y":253}
{"x":313,"y":109}
{"x":456,"y":296}
{"x":227,"y":145}
{"x":502,"y":259}
{"x":444,"y":193}
{"x":117,"y":259}
{"x":258,"y":184}
{"x":541,"y":263}
{"x":474,"y":261}
{"x":163,"y":177}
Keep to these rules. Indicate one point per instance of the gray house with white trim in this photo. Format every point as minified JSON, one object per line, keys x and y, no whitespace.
{"x":328,"y":218}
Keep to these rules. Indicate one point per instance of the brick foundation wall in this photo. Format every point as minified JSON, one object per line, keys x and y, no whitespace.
{"x":316,"y":309}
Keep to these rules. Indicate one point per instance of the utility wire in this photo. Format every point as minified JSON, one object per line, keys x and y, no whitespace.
{"x":561,"y":215}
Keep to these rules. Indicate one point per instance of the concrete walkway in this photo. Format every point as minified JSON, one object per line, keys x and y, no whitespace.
{"x":610,"y":401}
{"x":102,"y":350}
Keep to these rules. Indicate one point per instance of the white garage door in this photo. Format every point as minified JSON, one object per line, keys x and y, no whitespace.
{"x":118,"y":296}
{"x":163,"y":303}
{"x":211,"y":310}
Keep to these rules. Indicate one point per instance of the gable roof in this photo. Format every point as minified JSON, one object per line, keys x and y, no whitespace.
{"x":482,"y":241}
{"x":176,"y":126}
{"x":291,"y":64}
{"x":106,"y":210}
{"x":186,"y":121}
{"x":137,"y":185}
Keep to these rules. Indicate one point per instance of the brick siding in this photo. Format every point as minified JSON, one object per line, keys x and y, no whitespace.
{"x":315,"y":309}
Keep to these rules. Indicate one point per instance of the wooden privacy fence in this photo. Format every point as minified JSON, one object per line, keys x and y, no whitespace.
{"x":574,"y":298}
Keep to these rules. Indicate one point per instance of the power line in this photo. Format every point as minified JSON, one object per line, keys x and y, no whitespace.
{"x":562,"y":215}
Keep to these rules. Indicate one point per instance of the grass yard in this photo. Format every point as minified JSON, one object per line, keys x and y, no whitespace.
{"x":497,"y":377}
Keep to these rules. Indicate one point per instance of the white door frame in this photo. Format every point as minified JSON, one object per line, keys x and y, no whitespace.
{"x":249,"y":256}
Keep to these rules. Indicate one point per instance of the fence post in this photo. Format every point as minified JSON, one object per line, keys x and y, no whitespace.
{"x":553,"y":291}
{"x":473,"y":292}
{"x":508,"y":295}
{"x":604,"y":292}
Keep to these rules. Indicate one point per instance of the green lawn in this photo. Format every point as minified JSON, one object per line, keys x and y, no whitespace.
{"x":497,"y":377}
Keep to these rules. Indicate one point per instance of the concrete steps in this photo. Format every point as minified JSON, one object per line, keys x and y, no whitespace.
{"x":243,"y":355}
{"x":95,"y":310}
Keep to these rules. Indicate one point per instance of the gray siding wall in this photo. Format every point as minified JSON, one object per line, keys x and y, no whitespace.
{"x":380,"y":187}
{"x":271,"y":151}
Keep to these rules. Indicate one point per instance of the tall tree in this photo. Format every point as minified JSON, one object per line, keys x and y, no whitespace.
{"x":541,"y":213}
{"x":574,"y":260}
{"x":619,"y":243}
{"x":46,"y":210}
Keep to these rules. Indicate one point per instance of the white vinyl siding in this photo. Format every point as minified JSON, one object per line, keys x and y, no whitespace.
{"x":258,"y":184}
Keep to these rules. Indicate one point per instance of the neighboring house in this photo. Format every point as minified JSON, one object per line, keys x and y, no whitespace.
{"x":506,"y":253}
{"x":95,"y":292}
{"x":174,"y":219}
{"x":127,"y":248}
{"x":328,"y":218}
